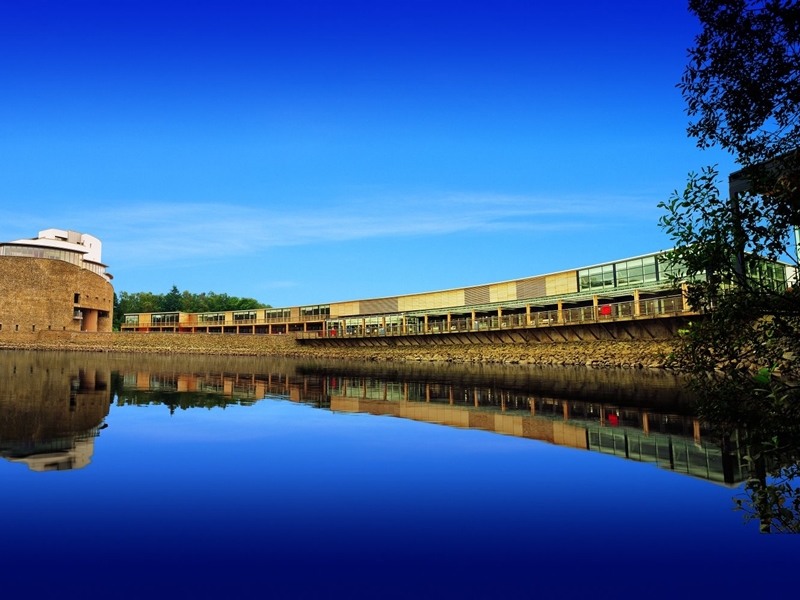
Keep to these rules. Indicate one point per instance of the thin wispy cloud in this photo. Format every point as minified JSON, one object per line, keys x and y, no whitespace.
{"x":146,"y":232}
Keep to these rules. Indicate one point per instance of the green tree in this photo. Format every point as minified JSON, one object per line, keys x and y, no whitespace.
{"x":172,"y":301}
{"x":175,"y":300}
{"x":741,"y":86}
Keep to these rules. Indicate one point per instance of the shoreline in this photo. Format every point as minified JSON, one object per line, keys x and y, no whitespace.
{"x":593,"y":354}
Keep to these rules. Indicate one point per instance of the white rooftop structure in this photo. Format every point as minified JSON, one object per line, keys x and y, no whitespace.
{"x":87,"y":246}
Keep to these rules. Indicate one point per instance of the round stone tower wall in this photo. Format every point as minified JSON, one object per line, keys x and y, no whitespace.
{"x":38,"y":294}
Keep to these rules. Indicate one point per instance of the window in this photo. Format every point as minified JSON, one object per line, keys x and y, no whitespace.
{"x":637,"y":271}
{"x":76,"y":299}
{"x":667,"y":269}
{"x":596,"y":278}
{"x":771,"y":275}
{"x":211,"y":317}
{"x":277,"y":314}
{"x":323,"y":310}
{"x":162,"y":319}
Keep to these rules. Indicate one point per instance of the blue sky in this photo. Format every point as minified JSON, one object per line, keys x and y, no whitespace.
{"x":303,"y":152}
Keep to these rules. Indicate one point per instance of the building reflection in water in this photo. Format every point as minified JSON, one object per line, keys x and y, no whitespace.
{"x":599,"y":413}
{"x":51,"y":410}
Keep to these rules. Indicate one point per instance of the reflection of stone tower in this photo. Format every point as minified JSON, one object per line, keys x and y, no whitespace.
{"x":76,"y":456}
{"x":51,"y":410}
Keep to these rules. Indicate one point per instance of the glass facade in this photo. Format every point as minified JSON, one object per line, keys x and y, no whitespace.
{"x":627,"y":273}
{"x":637,"y":271}
{"x":596,"y":278}
{"x":321,"y":310}
{"x":74,"y":258}
{"x":667,"y":269}
{"x":211,"y":317}
{"x":244,"y":315}
{"x":278,"y":314}
{"x":164,"y":318}
{"x":769,"y":274}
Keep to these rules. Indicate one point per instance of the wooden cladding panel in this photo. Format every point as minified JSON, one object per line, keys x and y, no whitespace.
{"x":477,"y":295}
{"x":430,"y":301}
{"x":500,"y":292}
{"x":345,"y":309}
{"x":562,"y":283}
{"x":379,"y":306}
{"x":533,"y":287}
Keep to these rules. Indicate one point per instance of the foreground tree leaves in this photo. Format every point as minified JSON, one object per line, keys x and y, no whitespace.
{"x":742,"y":86}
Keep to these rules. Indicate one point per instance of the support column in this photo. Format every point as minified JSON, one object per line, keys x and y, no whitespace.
{"x":560,"y":311}
{"x":405,"y":325}
{"x":499,"y":318}
{"x":636,"y":308}
{"x":646,"y":423}
{"x":527,"y":315}
{"x":425,"y":324}
{"x":595,"y":303}
{"x":474,"y":324}
{"x":685,"y":296}
{"x":448,"y":322}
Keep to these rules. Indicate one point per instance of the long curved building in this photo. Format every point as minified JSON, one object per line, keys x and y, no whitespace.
{"x":631,"y":288}
{"x":55,"y":282}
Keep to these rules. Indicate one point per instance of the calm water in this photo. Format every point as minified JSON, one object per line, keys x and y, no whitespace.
{"x":238,"y":477}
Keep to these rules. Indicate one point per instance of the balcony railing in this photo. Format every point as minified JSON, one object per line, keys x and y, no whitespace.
{"x":647,"y":309}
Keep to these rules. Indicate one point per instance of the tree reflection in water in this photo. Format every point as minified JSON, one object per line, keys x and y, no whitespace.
{"x":762,"y":420}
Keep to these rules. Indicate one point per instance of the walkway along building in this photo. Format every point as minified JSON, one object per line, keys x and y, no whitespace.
{"x":56,"y":281}
{"x":630,"y":289}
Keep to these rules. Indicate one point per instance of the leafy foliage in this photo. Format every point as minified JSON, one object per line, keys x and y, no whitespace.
{"x":742,"y":85}
{"x":742,"y":78}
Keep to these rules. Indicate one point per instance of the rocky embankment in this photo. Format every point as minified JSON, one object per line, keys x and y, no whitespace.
{"x":597,"y":354}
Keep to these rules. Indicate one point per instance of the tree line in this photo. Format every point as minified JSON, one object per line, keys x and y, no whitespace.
{"x":175,"y":300}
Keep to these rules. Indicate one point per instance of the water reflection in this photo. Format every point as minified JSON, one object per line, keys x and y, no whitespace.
{"x":51,"y":409}
{"x":641,"y":416}
{"x":53,"y":405}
